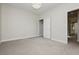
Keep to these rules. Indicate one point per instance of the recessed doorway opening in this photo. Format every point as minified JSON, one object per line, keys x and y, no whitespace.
{"x":41,"y":27}
{"x":73,"y":17}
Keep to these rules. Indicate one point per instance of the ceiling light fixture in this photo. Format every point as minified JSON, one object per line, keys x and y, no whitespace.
{"x":36,"y":5}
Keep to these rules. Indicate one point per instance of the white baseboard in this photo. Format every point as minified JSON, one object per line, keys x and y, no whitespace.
{"x":17,"y":38}
{"x":64,"y":41}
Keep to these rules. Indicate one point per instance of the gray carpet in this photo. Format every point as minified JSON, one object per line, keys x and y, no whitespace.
{"x":38,"y":46}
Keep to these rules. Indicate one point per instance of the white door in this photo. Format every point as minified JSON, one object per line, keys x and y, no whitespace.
{"x":47,"y":27}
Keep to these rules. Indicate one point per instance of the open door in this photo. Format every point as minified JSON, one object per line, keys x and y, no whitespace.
{"x":47,"y":27}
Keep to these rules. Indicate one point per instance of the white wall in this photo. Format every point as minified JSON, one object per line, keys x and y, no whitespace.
{"x":18,"y":23}
{"x":59,"y":20}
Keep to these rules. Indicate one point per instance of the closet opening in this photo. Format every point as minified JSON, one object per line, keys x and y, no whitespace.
{"x":73,"y":17}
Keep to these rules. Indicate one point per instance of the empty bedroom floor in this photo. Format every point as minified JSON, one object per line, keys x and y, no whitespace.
{"x":38,"y":46}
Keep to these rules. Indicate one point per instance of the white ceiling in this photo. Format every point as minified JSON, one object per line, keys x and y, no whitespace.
{"x":28,"y":6}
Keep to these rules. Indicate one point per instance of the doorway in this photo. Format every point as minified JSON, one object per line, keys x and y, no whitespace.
{"x":41,"y":27}
{"x":73,"y":25}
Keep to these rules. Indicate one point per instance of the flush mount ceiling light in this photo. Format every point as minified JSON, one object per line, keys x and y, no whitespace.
{"x":36,"y":5}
